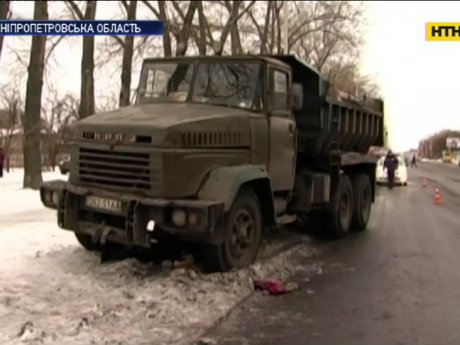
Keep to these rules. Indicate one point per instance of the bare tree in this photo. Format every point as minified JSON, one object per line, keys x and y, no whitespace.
{"x":4,"y":14}
{"x":347,"y":78}
{"x":87,"y":62}
{"x":215,"y":18}
{"x":318,"y":31}
{"x":161,"y":12}
{"x":32,"y":154}
{"x":328,"y":36}
{"x":264,"y":19}
{"x":127,"y":62}
{"x":181,"y":32}
{"x":112,"y":52}
{"x":236,"y":45}
{"x":10,"y":123}
{"x":183,"y":35}
{"x":21,"y":54}
{"x":336,"y":35}
{"x":61,"y":112}
{"x":235,"y":12}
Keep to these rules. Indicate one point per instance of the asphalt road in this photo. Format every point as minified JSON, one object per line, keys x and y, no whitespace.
{"x":397,"y":283}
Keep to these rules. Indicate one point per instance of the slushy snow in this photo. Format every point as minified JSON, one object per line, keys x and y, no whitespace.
{"x":54,"y":292}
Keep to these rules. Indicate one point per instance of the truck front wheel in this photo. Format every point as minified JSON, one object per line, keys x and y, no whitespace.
{"x":362,"y":202}
{"x":340,"y":210}
{"x":243,"y":234}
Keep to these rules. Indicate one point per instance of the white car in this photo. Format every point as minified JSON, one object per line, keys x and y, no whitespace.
{"x":400,"y":173}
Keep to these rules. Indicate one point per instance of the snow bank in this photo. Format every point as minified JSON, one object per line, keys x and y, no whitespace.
{"x":53,"y":292}
{"x":16,"y":200}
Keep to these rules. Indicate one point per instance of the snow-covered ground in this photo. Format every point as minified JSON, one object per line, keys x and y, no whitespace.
{"x":53,"y":292}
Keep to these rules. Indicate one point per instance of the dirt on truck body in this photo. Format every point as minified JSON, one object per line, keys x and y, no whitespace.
{"x":216,"y":150}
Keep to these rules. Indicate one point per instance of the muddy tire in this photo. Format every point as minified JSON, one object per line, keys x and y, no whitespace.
{"x":362,"y":202}
{"x":87,"y":243}
{"x":243,"y":234}
{"x":338,"y":217}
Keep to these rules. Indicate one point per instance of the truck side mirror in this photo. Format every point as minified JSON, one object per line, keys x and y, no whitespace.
{"x":297,"y":96}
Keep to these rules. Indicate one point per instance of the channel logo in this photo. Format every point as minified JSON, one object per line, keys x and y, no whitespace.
{"x":442,"y":31}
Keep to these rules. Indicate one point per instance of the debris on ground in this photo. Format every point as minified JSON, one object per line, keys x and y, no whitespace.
{"x":187,"y":262}
{"x":274,"y":287}
{"x":28,"y":333}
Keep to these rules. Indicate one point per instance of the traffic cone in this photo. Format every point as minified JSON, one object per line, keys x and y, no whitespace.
{"x":437,"y":199}
{"x":423,"y":182}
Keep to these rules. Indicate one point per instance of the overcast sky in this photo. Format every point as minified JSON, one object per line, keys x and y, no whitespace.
{"x":419,"y":79}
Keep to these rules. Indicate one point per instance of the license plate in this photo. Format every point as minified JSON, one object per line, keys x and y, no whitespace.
{"x":103,"y":203}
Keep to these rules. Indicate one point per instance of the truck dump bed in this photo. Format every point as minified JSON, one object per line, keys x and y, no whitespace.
{"x":328,"y":120}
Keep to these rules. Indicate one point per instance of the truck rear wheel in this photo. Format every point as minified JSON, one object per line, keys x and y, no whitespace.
{"x":362,"y":202}
{"x":243,"y":234}
{"x":338,"y":217}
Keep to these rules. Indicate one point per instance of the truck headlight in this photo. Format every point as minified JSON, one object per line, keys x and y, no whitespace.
{"x":179,"y":217}
{"x":51,"y":198}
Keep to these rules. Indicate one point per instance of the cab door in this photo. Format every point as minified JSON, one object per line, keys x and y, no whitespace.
{"x":282,"y":130}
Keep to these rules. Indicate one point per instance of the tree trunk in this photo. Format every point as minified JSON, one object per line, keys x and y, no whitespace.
{"x":182,"y":40}
{"x":87,"y":67}
{"x":202,"y":41}
{"x":236,"y":41}
{"x":4,"y":9}
{"x":32,"y":152}
{"x":167,"y":32}
{"x":127,"y":59}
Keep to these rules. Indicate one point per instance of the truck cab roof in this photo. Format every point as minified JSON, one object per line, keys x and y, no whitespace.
{"x":269,"y":59}
{"x":284,"y":61}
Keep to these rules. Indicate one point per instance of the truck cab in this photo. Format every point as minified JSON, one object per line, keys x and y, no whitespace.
{"x":209,"y":152}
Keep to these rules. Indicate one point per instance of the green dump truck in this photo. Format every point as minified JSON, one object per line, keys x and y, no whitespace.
{"x":217,"y":150}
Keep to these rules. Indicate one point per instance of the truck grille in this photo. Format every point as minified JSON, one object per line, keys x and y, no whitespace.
{"x":115,"y":169}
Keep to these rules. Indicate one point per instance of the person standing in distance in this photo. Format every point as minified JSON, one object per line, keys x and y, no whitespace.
{"x":391,"y":164}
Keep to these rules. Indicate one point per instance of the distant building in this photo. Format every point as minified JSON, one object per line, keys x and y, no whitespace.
{"x":425,"y":149}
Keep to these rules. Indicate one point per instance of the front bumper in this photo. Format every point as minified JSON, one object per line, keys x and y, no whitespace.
{"x":129,"y":222}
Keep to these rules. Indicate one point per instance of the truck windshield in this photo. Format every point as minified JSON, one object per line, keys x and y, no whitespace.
{"x":231,"y":84}
{"x":165,"y":82}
